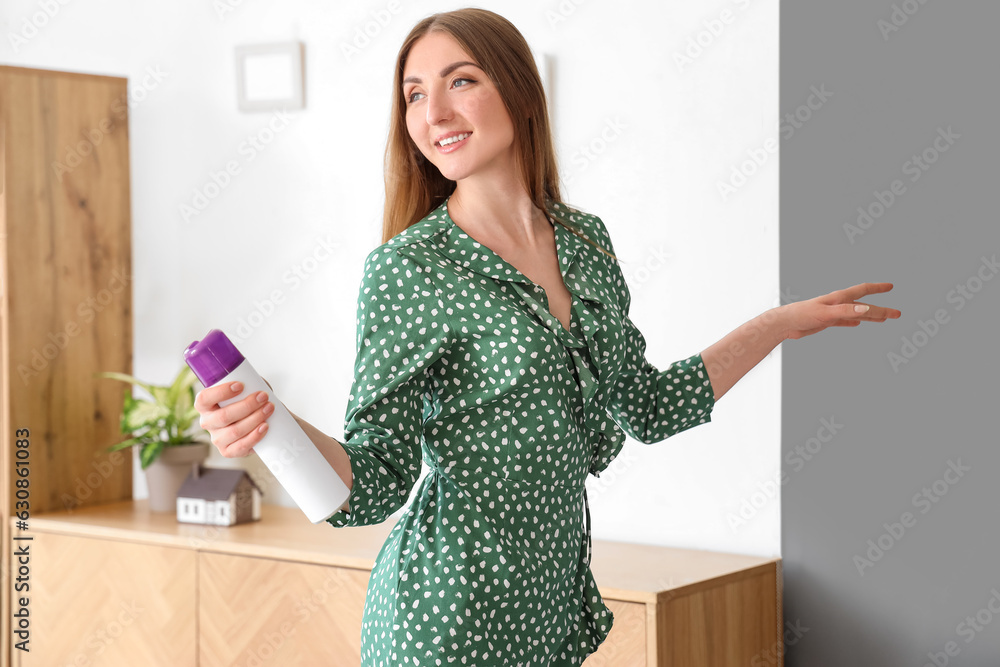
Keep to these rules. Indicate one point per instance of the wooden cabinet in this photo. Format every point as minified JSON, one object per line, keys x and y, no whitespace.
{"x":282,"y":591}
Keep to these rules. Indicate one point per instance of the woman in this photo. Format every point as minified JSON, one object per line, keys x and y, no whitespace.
{"x":494,"y":345}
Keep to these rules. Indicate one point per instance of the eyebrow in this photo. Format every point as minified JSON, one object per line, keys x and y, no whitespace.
{"x":445,"y":72}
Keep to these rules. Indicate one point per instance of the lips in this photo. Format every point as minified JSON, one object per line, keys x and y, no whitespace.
{"x":456,"y":143}
{"x":449,"y":135}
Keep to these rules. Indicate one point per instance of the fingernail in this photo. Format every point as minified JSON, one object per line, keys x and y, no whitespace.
{"x":262,"y":428}
{"x":861,"y":309}
{"x":268,"y":409}
{"x":261,"y":397}
{"x":237,"y":387}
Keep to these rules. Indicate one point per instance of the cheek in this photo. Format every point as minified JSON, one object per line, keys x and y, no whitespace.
{"x":501,"y":119}
{"x":491,"y":112}
{"x":413,"y":128}
{"x":478,"y":108}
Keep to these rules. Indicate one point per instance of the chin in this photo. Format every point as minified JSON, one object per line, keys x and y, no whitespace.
{"x":453,"y":174}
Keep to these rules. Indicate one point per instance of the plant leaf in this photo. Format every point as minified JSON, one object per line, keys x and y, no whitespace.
{"x":128,"y":406}
{"x":149,"y":453}
{"x":143,"y":413}
{"x":192,"y":414}
{"x":125,"y":443}
{"x":127,"y":378}
{"x":162,"y":396}
{"x":184,"y":380}
{"x":162,"y":422}
{"x":184,"y":401}
{"x":185,"y":411}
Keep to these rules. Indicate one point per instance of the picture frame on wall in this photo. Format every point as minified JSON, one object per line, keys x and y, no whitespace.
{"x":270,"y":77}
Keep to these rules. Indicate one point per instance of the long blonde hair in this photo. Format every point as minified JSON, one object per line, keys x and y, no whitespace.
{"x":414,"y":186}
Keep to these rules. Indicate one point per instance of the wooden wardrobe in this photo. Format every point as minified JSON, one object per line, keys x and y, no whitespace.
{"x":65,"y":303}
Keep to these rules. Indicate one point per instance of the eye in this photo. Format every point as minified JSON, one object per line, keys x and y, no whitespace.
{"x":409,"y":100}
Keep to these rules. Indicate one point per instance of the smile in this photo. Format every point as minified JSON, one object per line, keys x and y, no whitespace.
{"x":453,"y":143}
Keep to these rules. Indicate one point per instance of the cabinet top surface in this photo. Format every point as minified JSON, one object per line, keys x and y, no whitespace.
{"x":284,"y":533}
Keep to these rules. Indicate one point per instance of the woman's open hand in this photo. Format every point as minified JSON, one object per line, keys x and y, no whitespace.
{"x":836,"y":309}
{"x":235,"y":428}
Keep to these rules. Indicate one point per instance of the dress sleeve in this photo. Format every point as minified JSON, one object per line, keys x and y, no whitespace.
{"x":647,"y":403}
{"x":402,"y":331}
{"x":651,"y":405}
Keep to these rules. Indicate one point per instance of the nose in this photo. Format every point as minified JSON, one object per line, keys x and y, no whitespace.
{"x":438,"y":108}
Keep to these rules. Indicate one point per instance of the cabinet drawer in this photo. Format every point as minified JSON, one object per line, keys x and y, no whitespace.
{"x":262,"y":612}
{"x":109,"y":603}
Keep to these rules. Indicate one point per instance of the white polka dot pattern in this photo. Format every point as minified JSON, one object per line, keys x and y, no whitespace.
{"x":461,"y":365}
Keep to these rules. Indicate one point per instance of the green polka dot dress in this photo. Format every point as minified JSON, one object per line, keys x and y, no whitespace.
{"x":461,"y":366}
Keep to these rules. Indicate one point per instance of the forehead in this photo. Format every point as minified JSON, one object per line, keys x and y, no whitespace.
{"x":431,"y":53}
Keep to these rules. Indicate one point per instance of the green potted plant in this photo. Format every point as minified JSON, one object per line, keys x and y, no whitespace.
{"x":162,"y":428}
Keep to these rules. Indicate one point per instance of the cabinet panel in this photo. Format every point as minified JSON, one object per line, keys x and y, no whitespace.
{"x":626,"y":644}
{"x":735,"y":623}
{"x":109,"y":603}
{"x":65,"y":236}
{"x":261,"y":612}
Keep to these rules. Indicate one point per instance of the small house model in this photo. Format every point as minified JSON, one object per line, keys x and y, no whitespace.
{"x":218,"y":496}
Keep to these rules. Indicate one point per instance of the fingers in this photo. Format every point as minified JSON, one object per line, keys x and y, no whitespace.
{"x":863,"y":289}
{"x":220,"y":417}
{"x":873,"y":314}
{"x":237,"y":439}
{"x":234,"y":429}
{"x":210,"y":397}
{"x":847,"y":316}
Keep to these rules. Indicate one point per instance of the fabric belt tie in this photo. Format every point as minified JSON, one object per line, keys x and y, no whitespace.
{"x":435,"y":469}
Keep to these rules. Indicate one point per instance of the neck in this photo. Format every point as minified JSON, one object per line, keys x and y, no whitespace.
{"x":502,"y":215}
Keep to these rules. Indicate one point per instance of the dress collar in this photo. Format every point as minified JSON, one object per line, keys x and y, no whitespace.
{"x":588,"y":274}
{"x":572,"y":251}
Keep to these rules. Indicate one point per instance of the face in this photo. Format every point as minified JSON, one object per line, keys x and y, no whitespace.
{"x":443,"y":100}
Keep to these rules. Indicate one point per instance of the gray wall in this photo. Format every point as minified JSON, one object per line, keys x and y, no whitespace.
{"x":930,"y":593}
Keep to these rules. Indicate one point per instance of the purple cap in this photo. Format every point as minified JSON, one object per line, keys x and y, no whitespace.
{"x":213,"y":357}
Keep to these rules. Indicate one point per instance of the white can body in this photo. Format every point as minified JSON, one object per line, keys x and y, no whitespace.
{"x":290,"y":454}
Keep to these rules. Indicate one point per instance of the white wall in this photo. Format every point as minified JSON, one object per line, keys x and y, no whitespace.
{"x":662,"y":138}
